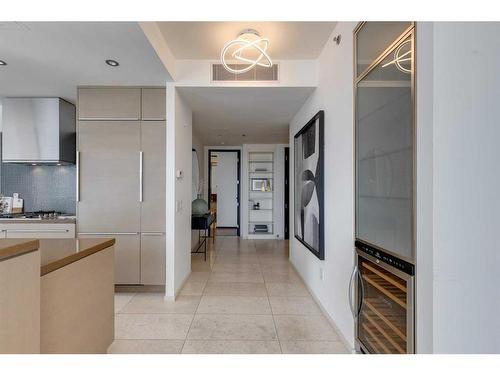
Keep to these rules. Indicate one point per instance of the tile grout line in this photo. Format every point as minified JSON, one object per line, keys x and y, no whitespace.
{"x":272,"y":315}
{"x":198,"y":305}
{"x":119,"y":311}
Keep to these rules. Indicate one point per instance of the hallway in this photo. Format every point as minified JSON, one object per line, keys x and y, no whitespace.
{"x":246,"y":298}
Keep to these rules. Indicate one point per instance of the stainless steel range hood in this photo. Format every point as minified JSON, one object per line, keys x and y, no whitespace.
{"x":38,"y":130}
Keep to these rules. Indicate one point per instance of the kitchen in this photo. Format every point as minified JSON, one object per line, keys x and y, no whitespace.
{"x":65,"y":145}
{"x":38,"y":175}
{"x":65,"y":192}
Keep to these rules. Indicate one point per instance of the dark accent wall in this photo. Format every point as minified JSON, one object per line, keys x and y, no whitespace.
{"x":43,"y":187}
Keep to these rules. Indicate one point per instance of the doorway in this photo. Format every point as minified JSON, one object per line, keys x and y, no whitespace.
{"x":224,"y":189}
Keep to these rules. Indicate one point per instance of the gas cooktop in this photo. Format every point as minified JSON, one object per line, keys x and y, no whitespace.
{"x":36,"y":215}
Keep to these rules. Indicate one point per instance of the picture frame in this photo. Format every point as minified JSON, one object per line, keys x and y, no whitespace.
{"x":261,"y":184}
{"x":309,"y":185}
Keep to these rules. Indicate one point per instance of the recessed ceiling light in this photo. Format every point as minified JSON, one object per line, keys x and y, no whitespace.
{"x":112,"y":63}
{"x":2,"y":63}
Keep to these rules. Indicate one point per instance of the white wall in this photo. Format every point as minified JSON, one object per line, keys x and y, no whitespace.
{"x":178,"y":236}
{"x":466,"y":158}
{"x":334,"y":95}
{"x":197,"y":144}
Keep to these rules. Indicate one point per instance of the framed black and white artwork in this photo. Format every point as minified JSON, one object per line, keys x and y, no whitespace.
{"x":309,"y":185}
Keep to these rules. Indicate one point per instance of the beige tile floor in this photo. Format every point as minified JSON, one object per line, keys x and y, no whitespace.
{"x":246,"y":298}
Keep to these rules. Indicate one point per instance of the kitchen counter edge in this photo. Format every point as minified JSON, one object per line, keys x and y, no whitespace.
{"x":17,"y":248}
{"x":57,"y":264}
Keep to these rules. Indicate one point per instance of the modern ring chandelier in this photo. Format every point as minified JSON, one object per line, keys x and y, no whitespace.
{"x":238,"y":49}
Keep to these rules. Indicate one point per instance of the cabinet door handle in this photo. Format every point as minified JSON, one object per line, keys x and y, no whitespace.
{"x":37,"y":230}
{"x":153,"y":233}
{"x":109,"y":119}
{"x":108,"y":233}
{"x":78,"y":176}
{"x":140,"y":175}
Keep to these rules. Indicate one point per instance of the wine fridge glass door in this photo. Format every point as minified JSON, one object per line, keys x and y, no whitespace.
{"x":385,"y":320}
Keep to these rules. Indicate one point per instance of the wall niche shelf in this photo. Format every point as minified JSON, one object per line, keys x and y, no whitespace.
{"x":260,"y":193}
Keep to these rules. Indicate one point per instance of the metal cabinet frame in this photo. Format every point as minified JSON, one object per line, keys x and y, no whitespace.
{"x":409,"y":32}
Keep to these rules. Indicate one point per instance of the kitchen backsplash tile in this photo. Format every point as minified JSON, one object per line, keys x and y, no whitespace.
{"x":42,"y":187}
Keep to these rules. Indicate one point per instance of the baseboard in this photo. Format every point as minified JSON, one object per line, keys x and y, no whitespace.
{"x":140,"y":288}
{"x":179,"y":288}
{"x":325,"y":313}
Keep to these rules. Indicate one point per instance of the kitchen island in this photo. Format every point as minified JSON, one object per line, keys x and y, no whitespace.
{"x":56,"y":295}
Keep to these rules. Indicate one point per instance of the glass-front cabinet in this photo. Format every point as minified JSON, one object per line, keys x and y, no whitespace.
{"x":384,"y":149}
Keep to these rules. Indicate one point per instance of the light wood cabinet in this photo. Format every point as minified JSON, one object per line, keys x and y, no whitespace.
{"x":153,"y":104}
{"x":153,"y":259}
{"x":121,"y":177}
{"x":109,"y":103}
{"x":109,"y":195}
{"x":153,"y":203}
{"x":127,"y":255}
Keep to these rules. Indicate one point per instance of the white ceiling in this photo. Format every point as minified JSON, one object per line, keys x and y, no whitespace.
{"x":204,"y":40}
{"x":53,"y":58}
{"x":221,"y":115}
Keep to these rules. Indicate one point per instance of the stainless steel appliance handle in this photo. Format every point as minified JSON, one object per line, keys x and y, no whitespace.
{"x":140,"y":175}
{"x":78,"y":176}
{"x":153,"y":233}
{"x":362,"y":293}
{"x":353,"y":275}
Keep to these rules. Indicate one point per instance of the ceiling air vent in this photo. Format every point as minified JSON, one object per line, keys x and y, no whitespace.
{"x":259,"y":73}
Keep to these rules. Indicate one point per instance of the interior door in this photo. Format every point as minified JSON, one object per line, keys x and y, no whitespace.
{"x":109,"y":199}
{"x":225,"y":181}
{"x":153,"y":176}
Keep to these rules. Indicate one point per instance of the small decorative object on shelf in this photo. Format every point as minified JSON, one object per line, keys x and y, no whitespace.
{"x":199,"y":206}
{"x":5,"y":204}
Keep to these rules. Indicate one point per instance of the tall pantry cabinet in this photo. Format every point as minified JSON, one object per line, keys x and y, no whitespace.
{"x":121,"y":177}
